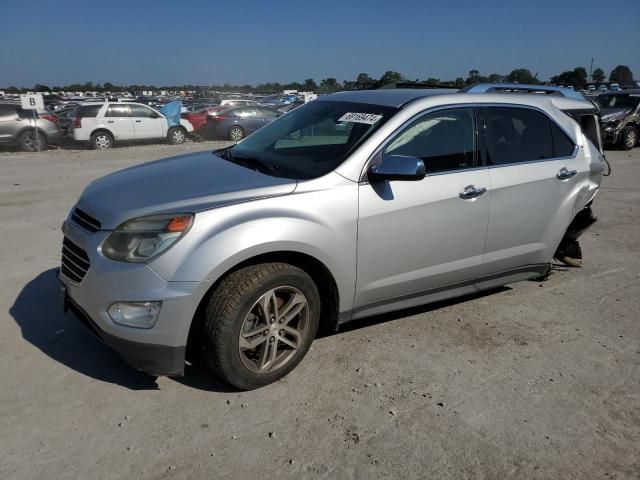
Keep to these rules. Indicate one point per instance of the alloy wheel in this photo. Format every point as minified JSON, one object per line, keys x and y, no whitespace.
{"x":178,"y":136}
{"x":274,"y":329}
{"x":236,"y":133}
{"x":102,"y":142}
{"x":631,"y":139}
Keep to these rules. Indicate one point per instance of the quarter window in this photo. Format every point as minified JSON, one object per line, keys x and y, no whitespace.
{"x":444,"y":140}
{"x":517,"y":135}
{"x":563,"y":146}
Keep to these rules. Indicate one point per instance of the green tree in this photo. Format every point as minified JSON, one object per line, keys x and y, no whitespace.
{"x":329,"y":85}
{"x":522,"y":75}
{"x":433,"y":82}
{"x":621,"y":74}
{"x":575,"y":78}
{"x":495,"y":78}
{"x":38,"y":87}
{"x":459,"y":82}
{"x":598,"y":75}
{"x":310,"y":85}
{"x":389,"y":78}
{"x":364,"y":82}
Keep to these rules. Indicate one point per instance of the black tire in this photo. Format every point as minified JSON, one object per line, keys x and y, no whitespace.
{"x":102,"y":141}
{"x":230,"y":307}
{"x":629,"y":138}
{"x":177,"y":135}
{"x":27,"y":142}
{"x":236,"y":133}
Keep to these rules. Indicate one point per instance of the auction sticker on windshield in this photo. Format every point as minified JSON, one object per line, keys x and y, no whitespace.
{"x":368,"y":118}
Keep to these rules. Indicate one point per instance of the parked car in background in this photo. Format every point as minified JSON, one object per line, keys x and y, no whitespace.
{"x":238,"y":122}
{"x":620,"y":117}
{"x":197,"y":119}
{"x":238,"y":102}
{"x":103,"y":124}
{"x":244,"y":254}
{"x":17,"y":128}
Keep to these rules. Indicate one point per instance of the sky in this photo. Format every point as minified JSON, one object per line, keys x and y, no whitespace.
{"x":249,"y":42}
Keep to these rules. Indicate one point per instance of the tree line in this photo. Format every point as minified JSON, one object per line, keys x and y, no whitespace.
{"x":577,"y":78}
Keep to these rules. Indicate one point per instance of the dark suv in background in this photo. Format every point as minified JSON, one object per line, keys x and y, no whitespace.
{"x":620,"y":117}
{"x":16,"y":128}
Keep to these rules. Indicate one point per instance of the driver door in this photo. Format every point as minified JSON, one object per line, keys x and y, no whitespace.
{"x":147,"y":123}
{"x":418,"y":238}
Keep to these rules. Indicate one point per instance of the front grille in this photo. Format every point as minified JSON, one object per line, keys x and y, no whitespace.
{"x":85,"y":220}
{"x":75,"y":261}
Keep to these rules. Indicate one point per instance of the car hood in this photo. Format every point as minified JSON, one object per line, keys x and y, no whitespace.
{"x":609,"y":114}
{"x":186,"y":183}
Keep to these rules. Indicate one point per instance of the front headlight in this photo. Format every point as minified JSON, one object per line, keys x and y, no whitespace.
{"x":141,"y":239}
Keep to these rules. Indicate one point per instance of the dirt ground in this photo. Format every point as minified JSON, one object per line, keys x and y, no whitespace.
{"x":535,"y":380}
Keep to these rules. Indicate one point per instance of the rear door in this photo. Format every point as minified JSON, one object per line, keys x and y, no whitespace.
{"x":249,"y":119}
{"x":535,"y":176}
{"x":147,"y":123}
{"x":117,"y":118}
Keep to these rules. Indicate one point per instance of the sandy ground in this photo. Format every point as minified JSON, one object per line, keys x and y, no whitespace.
{"x":536,"y":380}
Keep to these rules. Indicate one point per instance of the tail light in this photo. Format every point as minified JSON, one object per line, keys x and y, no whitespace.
{"x":51,"y":118}
{"x":77,"y":123}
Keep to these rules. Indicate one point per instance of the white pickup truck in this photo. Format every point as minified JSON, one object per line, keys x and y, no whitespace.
{"x":105,"y":123}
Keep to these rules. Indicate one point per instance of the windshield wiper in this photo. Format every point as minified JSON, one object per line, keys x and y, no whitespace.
{"x":254,"y":163}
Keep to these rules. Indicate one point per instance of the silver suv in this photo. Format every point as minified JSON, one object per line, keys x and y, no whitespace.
{"x":17,"y":128}
{"x":352,"y":205}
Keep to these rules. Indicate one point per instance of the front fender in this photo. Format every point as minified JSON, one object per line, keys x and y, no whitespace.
{"x":321,"y":224}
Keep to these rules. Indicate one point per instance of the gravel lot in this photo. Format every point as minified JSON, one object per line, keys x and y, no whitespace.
{"x":530,"y":381}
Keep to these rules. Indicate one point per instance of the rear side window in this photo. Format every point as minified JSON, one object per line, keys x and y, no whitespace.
{"x":517,"y":135}
{"x":444,"y":140}
{"x":86,"y":111}
{"x":117,"y":111}
{"x":563,"y":146}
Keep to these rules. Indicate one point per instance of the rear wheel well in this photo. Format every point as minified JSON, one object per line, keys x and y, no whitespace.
{"x":101,"y":130}
{"x":320,"y":274}
{"x":30,"y":129}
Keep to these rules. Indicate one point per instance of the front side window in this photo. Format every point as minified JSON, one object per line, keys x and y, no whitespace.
{"x":313,"y":139}
{"x":517,"y":135}
{"x":444,"y":140}
{"x":142,"y":112}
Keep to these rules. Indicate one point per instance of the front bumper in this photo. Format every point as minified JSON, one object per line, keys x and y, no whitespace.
{"x":157,"y":360}
{"x":159,"y":350}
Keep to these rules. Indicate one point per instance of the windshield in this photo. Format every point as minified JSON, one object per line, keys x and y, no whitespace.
{"x":313,"y":139}
{"x":618,"y":101}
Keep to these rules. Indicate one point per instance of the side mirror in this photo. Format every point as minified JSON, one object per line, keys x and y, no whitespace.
{"x":397,"y":167}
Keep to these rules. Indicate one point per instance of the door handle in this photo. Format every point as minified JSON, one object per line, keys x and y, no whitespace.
{"x":564,"y":174}
{"x":471,"y":191}
{"x":138,"y":121}
{"x":109,"y":121}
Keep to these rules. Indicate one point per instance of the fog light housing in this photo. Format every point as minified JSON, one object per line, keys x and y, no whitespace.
{"x":135,"y":314}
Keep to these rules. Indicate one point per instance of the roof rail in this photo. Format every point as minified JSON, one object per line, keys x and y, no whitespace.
{"x":521,"y":88}
{"x":420,"y":85}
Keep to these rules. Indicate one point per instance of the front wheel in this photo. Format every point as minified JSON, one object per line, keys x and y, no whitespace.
{"x":260,"y":323}
{"x":236,"y":133}
{"x":176,"y":136}
{"x":629,"y":138}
